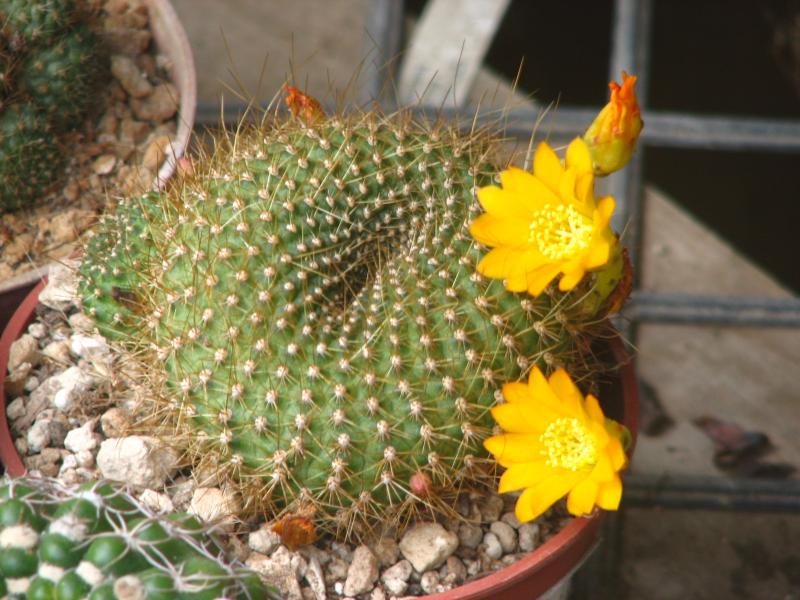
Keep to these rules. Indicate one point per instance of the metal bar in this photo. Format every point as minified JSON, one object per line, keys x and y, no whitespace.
{"x":655,"y":307}
{"x":383,"y":40}
{"x":682,"y":492}
{"x":661,"y":129}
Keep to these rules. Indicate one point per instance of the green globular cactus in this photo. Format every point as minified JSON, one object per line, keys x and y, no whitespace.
{"x":31,"y":158}
{"x":97,"y":542}
{"x":50,"y":66}
{"x":310,"y":294}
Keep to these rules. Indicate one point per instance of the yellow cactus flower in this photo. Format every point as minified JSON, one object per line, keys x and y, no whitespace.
{"x":613,"y":134}
{"x":546,"y":223}
{"x":557,"y":442}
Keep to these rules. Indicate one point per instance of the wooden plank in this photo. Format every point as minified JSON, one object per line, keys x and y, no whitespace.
{"x":446,"y":50}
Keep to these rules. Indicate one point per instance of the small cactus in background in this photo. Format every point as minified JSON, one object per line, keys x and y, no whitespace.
{"x":310,"y":290}
{"x":97,"y":542}
{"x":50,"y":65}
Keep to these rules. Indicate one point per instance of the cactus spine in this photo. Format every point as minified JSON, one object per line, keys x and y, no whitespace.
{"x":311,"y":294}
{"x":97,"y":542}
{"x":50,"y":65}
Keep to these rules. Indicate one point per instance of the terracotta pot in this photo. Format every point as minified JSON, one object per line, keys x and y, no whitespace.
{"x":170,"y":38}
{"x":540,"y":571}
{"x":12,"y":463}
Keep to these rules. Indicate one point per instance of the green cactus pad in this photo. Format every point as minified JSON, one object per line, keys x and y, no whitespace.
{"x":311,"y":293}
{"x":63,"y":543}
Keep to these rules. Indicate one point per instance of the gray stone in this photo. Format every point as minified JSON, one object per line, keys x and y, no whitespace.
{"x":141,"y":461}
{"x":24,"y":350}
{"x":15,"y":409}
{"x":528,"y":537}
{"x":469,"y":535}
{"x":505,"y":534}
{"x":264,"y":540}
{"x":158,"y":106}
{"x":395,"y":578}
{"x":315,"y":578}
{"x":277,"y":570}
{"x":337,"y":568}
{"x":58,"y":352}
{"x":492,"y":547}
{"x":80,"y":322}
{"x":157,"y":502}
{"x":37,"y":330}
{"x":61,"y":291}
{"x":71,"y":384}
{"x":82,"y":438}
{"x":40,"y":435}
{"x":362,"y":573}
{"x":427,"y":545}
{"x":456,"y":571}
{"x":386,"y":551}
{"x":89,"y":346}
{"x":491,"y":507}
{"x":114,"y":422}
{"x":429,"y":582}
{"x":17,"y":380}
{"x":377,"y":594}
{"x":511,"y":519}
{"x":212,"y":504}
{"x":133,"y":81}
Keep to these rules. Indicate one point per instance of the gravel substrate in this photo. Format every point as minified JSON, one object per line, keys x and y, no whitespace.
{"x":120,"y":150}
{"x":69,"y":415}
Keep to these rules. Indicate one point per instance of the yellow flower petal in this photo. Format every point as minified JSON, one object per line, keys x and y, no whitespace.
{"x":571,"y":279}
{"x":523,"y":475}
{"x":497,"y":231}
{"x":511,"y":448}
{"x":598,"y":254}
{"x":566,"y":187}
{"x":503,"y":262}
{"x":515,"y":392}
{"x":593,"y":409}
{"x":527,"y":189}
{"x":610,"y":494}
{"x":579,"y":157}
{"x":584,"y":191}
{"x":547,"y":167}
{"x":582,"y":497}
{"x":501,"y":203}
{"x":541,"y":278}
{"x":570,"y":395}
{"x":616,"y":454}
{"x":537,"y":499}
{"x":516,"y":282}
{"x":603,"y":471}
{"x":605,"y":208}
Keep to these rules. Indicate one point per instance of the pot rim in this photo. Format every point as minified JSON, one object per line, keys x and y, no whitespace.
{"x":529,"y":577}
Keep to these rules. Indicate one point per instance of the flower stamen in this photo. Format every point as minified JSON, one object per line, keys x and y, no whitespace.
{"x":560,"y":232}
{"x":568,"y":444}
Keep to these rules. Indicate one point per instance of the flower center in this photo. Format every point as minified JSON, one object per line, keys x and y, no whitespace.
{"x":560,"y":232}
{"x":568,"y":444}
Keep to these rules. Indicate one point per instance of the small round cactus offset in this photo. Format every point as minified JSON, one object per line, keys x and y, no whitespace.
{"x":97,"y":542}
{"x":310,"y":293}
{"x":50,"y":67}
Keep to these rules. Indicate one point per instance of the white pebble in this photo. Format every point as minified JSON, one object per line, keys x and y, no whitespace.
{"x":492,"y":545}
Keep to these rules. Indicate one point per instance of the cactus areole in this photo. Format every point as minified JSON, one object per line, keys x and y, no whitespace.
{"x":309,"y":294}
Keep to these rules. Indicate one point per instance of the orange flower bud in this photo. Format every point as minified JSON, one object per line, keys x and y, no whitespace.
{"x":302,"y":105}
{"x":612,"y":136}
